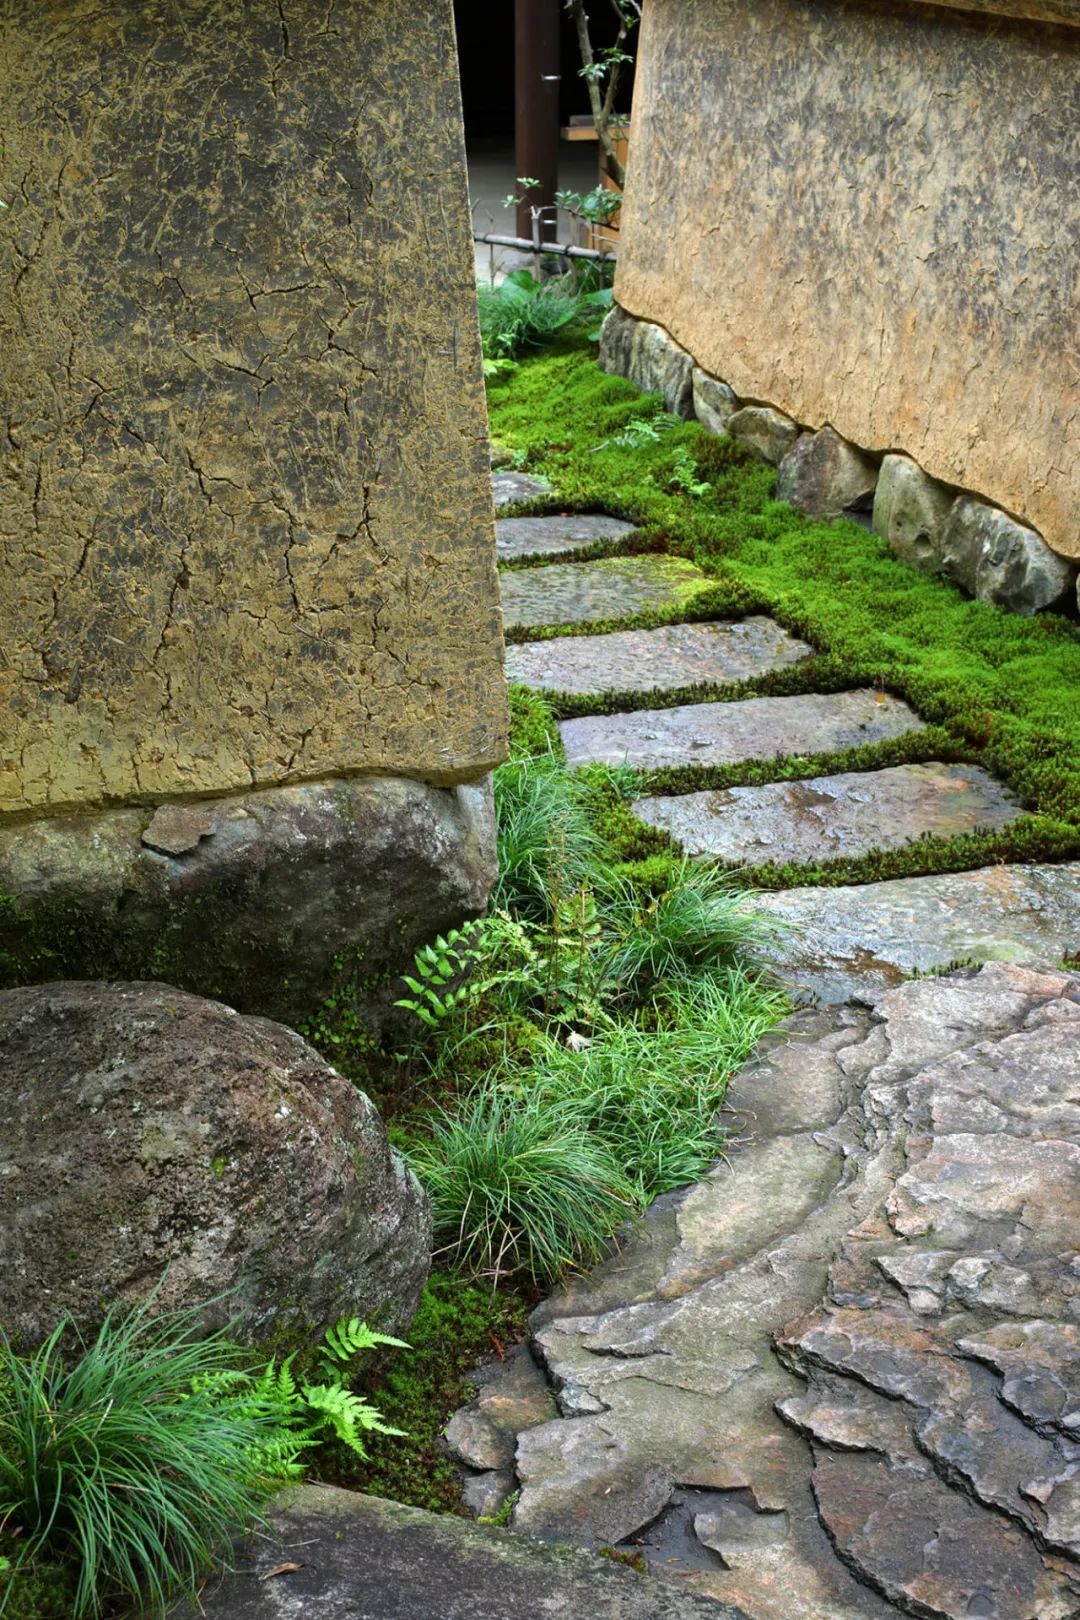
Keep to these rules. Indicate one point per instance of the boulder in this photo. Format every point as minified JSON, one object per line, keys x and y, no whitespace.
{"x":1000,"y":560}
{"x":649,"y":358}
{"x":328,"y":1554}
{"x":155,"y":1137}
{"x":714,"y":402}
{"x":260,"y":899}
{"x":766,"y":433}
{"x":824,"y":475}
{"x":910,"y":512}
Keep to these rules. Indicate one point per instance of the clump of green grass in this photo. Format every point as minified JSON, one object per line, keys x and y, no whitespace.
{"x":518,"y":1184}
{"x":542,"y":823}
{"x":131,"y":1462}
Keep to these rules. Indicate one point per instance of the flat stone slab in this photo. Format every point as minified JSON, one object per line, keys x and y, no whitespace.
{"x":655,"y":660}
{"x":856,"y":940}
{"x":610,"y":588}
{"x":839,"y":1379}
{"x":508,"y":487}
{"x":547,"y":536}
{"x":337,"y":1555}
{"x":829,"y":817}
{"x":725,"y":733}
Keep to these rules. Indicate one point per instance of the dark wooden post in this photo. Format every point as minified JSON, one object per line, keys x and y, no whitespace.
{"x":536,"y":109}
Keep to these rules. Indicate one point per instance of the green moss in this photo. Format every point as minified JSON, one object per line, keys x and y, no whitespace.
{"x":41,"y":1592}
{"x":456,"y":1326}
{"x":996,"y":689}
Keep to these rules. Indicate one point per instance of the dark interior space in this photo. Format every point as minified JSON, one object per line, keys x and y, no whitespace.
{"x":486,"y":49}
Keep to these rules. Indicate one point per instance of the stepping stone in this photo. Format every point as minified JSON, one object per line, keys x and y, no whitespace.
{"x":612,"y":588}
{"x":725,"y":733}
{"x":655,"y":660}
{"x":508,"y":487}
{"x":830,"y":817}
{"x":857,"y":940}
{"x":547,"y":536}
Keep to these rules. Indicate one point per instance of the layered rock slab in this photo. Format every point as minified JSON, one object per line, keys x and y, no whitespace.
{"x":726,"y":733}
{"x":673,"y":656}
{"x":854,"y":1346}
{"x":610,"y":588}
{"x":550,"y":536}
{"x":832,"y":817}
{"x":852,"y":940}
{"x":353,"y":1557}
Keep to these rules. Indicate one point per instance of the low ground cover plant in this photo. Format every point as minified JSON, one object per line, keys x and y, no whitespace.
{"x":522,"y":312}
{"x":574,"y":1045}
{"x":128,"y":1461}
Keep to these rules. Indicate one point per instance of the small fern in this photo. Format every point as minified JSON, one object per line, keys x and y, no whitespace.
{"x":348,"y":1414}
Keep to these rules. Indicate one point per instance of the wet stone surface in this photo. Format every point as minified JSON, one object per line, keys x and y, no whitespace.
{"x":673,"y":656}
{"x":831,"y":817}
{"x":846,"y":941}
{"x":508,"y":487}
{"x":725,"y":733}
{"x":547,"y":536}
{"x":610,"y":588}
{"x":862,"y":1399}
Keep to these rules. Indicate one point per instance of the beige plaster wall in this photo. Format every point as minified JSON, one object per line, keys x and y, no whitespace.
{"x":245,"y":519}
{"x":869,"y":215}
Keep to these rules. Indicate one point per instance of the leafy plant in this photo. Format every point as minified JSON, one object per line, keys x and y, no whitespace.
{"x":132,"y":1461}
{"x":306,"y":1410}
{"x":682,"y":476}
{"x":641,"y":431}
{"x":486,"y":954}
{"x":522,"y":311}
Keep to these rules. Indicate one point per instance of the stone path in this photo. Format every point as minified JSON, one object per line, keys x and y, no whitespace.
{"x":675,"y":655}
{"x":840,"y":940}
{"x":839,"y":1379}
{"x":824,"y":817}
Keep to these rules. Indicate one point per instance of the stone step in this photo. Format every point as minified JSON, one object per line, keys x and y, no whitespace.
{"x":547,"y":536}
{"x":508,"y":487}
{"x":655,"y":660}
{"x":611,"y":588}
{"x":854,"y":940}
{"x":726,"y":733}
{"x":831,"y":817}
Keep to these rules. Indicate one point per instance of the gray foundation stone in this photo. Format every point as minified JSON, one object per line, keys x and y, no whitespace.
{"x":910,"y":512}
{"x":251,"y":898}
{"x":649,"y":358}
{"x":823,"y":475}
{"x":766,"y":433}
{"x":714,"y":402}
{"x":1000,"y":560}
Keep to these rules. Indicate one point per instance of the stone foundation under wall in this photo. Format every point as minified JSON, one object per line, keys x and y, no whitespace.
{"x":269,"y":901}
{"x":932,"y":525}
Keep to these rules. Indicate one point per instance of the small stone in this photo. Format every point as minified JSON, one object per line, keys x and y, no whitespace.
{"x":766,"y":433}
{"x":649,"y":358}
{"x":910,"y":512}
{"x":475,"y":1440}
{"x":1000,"y":560}
{"x":507,"y":488}
{"x":486,"y":1494}
{"x":823,"y":475}
{"x":177,"y":828}
{"x":574,"y":1400}
{"x":714,"y":402}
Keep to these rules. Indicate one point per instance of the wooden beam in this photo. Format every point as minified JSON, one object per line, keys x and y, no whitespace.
{"x":536,"y":110}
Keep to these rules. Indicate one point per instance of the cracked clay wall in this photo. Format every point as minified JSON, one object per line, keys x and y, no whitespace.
{"x":868,"y":214}
{"x":245,"y":519}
